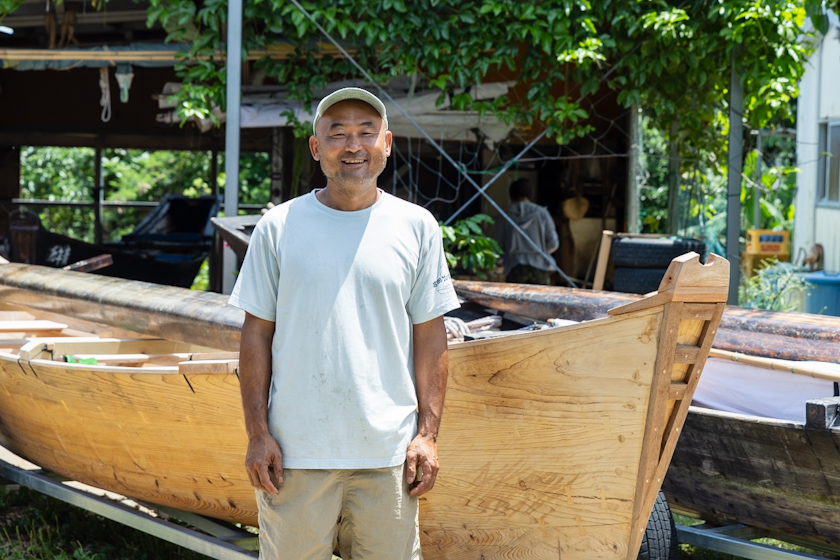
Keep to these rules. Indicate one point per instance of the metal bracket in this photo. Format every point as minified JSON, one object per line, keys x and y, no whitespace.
{"x":219,"y":548}
{"x":730,"y":539}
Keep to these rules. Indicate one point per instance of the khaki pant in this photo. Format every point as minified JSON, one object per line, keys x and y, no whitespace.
{"x":378,"y":518}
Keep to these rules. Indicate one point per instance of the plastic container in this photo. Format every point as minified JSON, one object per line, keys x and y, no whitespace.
{"x":824,"y":295}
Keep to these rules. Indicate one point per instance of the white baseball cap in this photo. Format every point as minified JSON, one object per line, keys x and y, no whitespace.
{"x":344,"y":94}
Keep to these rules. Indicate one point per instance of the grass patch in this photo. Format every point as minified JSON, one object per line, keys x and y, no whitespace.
{"x":34,"y":526}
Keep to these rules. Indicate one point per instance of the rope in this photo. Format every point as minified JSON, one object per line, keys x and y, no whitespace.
{"x":105,"y":100}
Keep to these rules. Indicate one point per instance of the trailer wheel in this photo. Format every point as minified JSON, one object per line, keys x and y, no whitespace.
{"x":660,"y":540}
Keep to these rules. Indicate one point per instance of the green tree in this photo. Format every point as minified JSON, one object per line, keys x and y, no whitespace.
{"x":66,"y":174}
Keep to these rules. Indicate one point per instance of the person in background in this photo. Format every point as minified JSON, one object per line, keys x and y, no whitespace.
{"x":523,"y":263}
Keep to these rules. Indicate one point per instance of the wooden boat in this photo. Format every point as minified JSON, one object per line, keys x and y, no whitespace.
{"x":781,"y":475}
{"x":167,"y":247}
{"x":553,"y":443}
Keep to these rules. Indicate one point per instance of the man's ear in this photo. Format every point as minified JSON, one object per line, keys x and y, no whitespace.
{"x":388,"y":139}
{"x":315,"y":148}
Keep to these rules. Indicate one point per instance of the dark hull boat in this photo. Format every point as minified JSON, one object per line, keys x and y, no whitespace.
{"x":167,"y":247}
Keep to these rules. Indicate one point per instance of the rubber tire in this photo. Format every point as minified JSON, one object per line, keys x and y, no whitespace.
{"x":660,"y":540}
{"x":641,"y":252}
{"x":637,"y":280}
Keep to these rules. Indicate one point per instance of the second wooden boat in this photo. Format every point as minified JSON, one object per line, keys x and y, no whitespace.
{"x":553,"y":443}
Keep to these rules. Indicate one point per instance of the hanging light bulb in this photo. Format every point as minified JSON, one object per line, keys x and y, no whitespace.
{"x":124,"y":77}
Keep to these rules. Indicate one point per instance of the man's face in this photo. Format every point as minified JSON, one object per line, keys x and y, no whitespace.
{"x":352,"y":144}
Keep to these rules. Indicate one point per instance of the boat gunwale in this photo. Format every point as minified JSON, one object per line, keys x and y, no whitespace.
{"x":101,"y":368}
{"x":525,"y":335}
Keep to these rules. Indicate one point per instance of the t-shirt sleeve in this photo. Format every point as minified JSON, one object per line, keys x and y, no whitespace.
{"x":432,"y":294}
{"x":256,"y":286}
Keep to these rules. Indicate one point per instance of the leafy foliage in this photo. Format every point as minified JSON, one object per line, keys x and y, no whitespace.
{"x":467,"y":248}
{"x":775,"y":287}
{"x":66,"y":174}
{"x":673,"y":60}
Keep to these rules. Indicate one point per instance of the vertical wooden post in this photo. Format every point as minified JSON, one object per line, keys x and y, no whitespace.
{"x":9,"y":183}
{"x":214,"y":172}
{"x":632,"y":213}
{"x":603,"y":260}
{"x":214,"y":261}
{"x":735,"y":164}
{"x":98,"y":195}
{"x":277,"y":165}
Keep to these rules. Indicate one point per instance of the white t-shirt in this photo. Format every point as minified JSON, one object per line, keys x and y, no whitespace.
{"x":344,"y":289}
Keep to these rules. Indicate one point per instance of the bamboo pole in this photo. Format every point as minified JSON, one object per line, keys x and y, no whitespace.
{"x":274,"y":51}
{"x":818,"y":370}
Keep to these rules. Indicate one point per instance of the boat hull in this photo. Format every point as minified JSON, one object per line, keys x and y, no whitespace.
{"x":767,"y":473}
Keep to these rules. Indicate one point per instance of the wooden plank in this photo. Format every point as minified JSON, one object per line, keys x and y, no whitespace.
{"x":821,"y":414}
{"x":215,"y":356}
{"x":603,"y":259}
{"x":686,"y":354}
{"x":772,"y":453}
{"x":208,"y":366}
{"x":677,"y":391}
{"x":659,"y":394}
{"x":699,"y":311}
{"x":677,"y":419}
{"x":94,"y":345}
{"x":780,"y":510}
{"x":30,"y":326}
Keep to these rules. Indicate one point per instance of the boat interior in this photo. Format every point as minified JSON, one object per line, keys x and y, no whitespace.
{"x":53,"y":338}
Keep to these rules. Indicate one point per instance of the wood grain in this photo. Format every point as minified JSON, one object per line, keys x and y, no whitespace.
{"x":541,"y":437}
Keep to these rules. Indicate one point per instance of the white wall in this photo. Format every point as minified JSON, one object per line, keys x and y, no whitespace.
{"x":819,"y":101}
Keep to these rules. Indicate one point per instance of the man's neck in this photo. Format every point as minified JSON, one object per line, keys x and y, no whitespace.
{"x":348,"y":200}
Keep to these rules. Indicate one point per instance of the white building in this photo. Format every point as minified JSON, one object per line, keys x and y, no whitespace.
{"x":818,"y":135}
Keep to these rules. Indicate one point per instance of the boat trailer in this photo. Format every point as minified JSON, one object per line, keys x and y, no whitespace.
{"x":224,"y":541}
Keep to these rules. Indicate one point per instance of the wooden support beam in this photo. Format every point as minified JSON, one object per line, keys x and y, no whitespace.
{"x":678,"y":391}
{"x":686,"y":354}
{"x":821,"y":414}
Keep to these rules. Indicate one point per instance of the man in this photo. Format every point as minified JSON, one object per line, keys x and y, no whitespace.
{"x":343,"y":359}
{"x":523,"y":264}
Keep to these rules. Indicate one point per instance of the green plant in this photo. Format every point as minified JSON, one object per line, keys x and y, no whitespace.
{"x":467,"y":248}
{"x":775,"y":286}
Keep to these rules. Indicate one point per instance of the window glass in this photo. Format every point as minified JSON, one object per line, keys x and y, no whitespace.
{"x":833,"y":190}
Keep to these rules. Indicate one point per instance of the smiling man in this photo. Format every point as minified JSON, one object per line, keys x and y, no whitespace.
{"x":343,"y":357}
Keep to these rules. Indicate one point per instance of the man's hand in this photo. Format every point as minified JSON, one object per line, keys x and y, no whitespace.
{"x":264,"y":452}
{"x":422,"y":452}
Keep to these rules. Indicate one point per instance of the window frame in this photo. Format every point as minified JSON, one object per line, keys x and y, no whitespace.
{"x":824,"y":169}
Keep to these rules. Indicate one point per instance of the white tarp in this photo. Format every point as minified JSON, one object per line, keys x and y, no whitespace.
{"x":735,"y":387}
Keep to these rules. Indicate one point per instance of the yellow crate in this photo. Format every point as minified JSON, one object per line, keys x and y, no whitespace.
{"x":767,"y":242}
